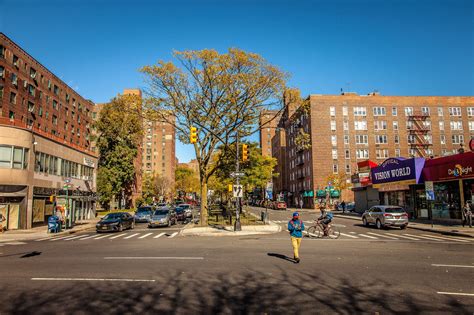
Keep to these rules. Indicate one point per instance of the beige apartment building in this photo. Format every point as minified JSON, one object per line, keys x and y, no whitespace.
{"x":46,"y":159}
{"x":348,"y":128}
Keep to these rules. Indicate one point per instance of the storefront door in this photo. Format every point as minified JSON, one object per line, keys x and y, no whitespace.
{"x":11,"y":212}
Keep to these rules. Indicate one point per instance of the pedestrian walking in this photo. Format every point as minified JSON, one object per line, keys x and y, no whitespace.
{"x":343,"y":205}
{"x":2,"y":219}
{"x":296,"y":228}
{"x":467,"y":214}
{"x":301,"y":203}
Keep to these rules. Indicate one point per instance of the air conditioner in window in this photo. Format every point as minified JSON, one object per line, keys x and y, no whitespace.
{"x":33,"y":75}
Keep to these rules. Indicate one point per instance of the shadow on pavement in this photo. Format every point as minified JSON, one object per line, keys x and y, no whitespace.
{"x":250,"y":292}
{"x":281,"y":257}
{"x":31,"y":254}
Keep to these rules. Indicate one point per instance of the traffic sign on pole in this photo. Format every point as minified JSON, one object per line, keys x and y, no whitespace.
{"x":238,"y":191}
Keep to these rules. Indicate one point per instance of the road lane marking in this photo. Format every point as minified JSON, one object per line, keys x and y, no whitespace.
{"x":74,"y":238}
{"x":89,"y":237}
{"x":447,"y":238}
{"x":146,"y":235}
{"x":368,"y":236}
{"x":402,"y":236}
{"x":159,"y":258}
{"x":428,"y":238}
{"x":117,"y":236}
{"x":91,"y":279}
{"x":14,"y":243}
{"x":44,"y":239}
{"x":173,"y":235}
{"x":159,"y":235}
{"x":61,"y":238}
{"x":348,"y":235}
{"x":130,"y":236}
{"x":102,"y":236}
{"x":353,"y":232}
{"x":381,"y":235}
{"x":456,"y":293}
{"x":453,"y":266}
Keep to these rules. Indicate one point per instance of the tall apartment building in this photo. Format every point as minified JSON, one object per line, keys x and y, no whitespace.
{"x":348,"y":128}
{"x":268,"y":123}
{"x":46,"y":161}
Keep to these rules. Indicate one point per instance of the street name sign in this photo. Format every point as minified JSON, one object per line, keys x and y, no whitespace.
{"x":237,"y":174}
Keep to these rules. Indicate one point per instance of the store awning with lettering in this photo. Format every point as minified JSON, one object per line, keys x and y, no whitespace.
{"x":397,"y":170}
{"x":457,"y":166}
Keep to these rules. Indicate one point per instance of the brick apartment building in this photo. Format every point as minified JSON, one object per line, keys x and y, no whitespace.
{"x":45,"y":147}
{"x":269,"y":122}
{"x":348,"y":128}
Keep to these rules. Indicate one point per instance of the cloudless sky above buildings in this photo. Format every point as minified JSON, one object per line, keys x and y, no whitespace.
{"x":398,"y":47}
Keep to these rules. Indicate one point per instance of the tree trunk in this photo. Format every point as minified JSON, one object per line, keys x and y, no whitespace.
{"x":203,"y":219}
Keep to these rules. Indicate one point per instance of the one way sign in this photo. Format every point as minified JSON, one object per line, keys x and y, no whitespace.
{"x":238,"y":191}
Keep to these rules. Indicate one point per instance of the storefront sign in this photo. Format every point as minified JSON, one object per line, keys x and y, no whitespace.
{"x":458,"y":166}
{"x":406,"y":171}
{"x":89,"y":162}
{"x":429,"y":188}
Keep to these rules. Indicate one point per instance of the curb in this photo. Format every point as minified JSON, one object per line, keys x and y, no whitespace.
{"x":420,"y":228}
{"x":67,"y":232}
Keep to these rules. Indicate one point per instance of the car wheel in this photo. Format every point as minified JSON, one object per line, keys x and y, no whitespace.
{"x":364,"y":222}
{"x":120,"y":228}
{"x":378,"y":224}
{"x":403,"y":227}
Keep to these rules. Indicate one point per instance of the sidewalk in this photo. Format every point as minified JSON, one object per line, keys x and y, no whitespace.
{"x":192,"y":230}
{"x":41,"y":232}
{"x":454,"y":230}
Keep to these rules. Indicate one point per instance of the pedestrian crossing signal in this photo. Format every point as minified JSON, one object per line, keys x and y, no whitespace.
{"x":193,"y":135}
{"x":245,"y":152}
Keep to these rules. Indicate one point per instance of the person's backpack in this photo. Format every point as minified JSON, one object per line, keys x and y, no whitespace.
{"x":329,"y":215}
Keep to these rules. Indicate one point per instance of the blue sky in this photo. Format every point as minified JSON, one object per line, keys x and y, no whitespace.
{"x":398,"y":47}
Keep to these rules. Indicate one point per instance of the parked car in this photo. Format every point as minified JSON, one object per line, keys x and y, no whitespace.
{"x":180,"y":213}
{"x":163,"y":217}
{"x":350,"y":207}
{"x":279,"y":205}
{"x":143,"y":214}
{"x":384,"y":216}
{"x":187,"y":209}
{"x":117,"y":221}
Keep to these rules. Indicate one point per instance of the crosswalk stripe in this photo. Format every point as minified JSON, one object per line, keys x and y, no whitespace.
{"x":60,"y":238}
{"x":148,"y":234}
{"x":381,"y":235}
{"x":43,"y":239}
{"x":102,"y":236}
{"x":130,"y":236}
{"x":407,"y":237}
{"x":348,"y":235}
{"x":173,"y":235}
{"x":75,"y":238}
{"x":89,"y":237}
{"x":117,"y":236}
{"x":447,"y":238}
{"x":427,"y":238}
{"x":368,"y":236}
{"x":159,"y":235}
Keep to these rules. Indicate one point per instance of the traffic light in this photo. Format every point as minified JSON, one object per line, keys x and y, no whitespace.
{"x":245,"y":152}
{"x":193,"y":135}
{"x":51,"y":198}
{"x":230,"y":187}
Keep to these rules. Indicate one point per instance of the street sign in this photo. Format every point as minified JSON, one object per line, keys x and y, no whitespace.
{"x":429,"y":191}
{"x":238,"y":191}
{"x":269,"y":194}
{"x":237,"y":174}
{"x":270,"y":186}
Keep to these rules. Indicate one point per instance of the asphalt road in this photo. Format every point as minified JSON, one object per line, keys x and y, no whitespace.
{"x":136,"y":272}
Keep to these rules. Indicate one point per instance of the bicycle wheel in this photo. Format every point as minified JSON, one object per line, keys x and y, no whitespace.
{"x":314,"y":232}
{"x":333,"y":232}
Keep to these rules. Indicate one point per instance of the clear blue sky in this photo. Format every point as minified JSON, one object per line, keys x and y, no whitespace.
{"x":398,"y":47}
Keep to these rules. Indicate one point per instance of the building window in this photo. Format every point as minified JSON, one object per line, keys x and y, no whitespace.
{"x":455,"y":111}
{"x":412,"y":153}
{"x":15,"y":61}
{"x":395,"y":125}
{"x":380,"y":125}
{"x":426,"y":125}
{"x":55,"y":120}
{"x":394,"y":111}
{"x":360,"y":111}
{"x":441,"y":125}
{"x":56,"y":90}
{"x":457,"y":139}
{"x":2,"y":72}
{"x":11,"y":115}
{"x":362,"y":154}
{"x":362,"y":139}
{"x":425,"y":111}
{"x":397,"y":139}
{"x":12,"y":98}
{"x":344,"y":111}
{"x":379,"y":139}
{"x":379,"y":111}
{"x":335,"y":169}
{"x":471,"y":125}
{"x":346,"y":139}
{"x":429,"y":152}
{"x":1,"y":91}
{"x":440,"y":111}
{"x":333,"y":125}
{"x":428,"y":139}
{"x":408,"y":111}
{"x":381,"y":153}
{"x":346,"y":125}
{"x":14,"y":79}
{"x":360,"y":125}
{"x":2,"y":51}
{"x":31,"y":90}
{"x":334,"y":154}
{"x":31,"y":107}
{"x":334,"y":140}
{"x":409,"y":125}
{"x":348,"y":169}
{"x":55,"y":105}
{"x":332,"y":111}
{"x":411,"y":139}
{"x":13,"y":157}
{"x":397,"y":152}
{"x":347,"y":154}
{"x":470,"y":111}
{"x":442,"y":139}
{"x":456,"y":125}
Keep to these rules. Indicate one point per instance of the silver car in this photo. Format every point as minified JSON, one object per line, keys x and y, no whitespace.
{"x":384,"y":216}
{"x":162,"y":217}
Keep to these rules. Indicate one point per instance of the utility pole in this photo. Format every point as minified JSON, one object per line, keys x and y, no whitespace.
{"x":237,"y":226}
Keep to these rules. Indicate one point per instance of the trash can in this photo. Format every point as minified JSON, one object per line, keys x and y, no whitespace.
{"x":53,"y":224}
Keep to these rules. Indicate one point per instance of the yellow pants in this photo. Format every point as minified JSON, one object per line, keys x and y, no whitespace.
{"x":296,"y":242}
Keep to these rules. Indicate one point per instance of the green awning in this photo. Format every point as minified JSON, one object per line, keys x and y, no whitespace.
{"x":321,"y":193}
{"x":335,"y":194}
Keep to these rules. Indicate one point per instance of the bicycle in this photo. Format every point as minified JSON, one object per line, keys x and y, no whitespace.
{"x":317,"y":231}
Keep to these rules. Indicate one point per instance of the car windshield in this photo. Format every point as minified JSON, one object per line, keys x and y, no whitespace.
{"x":160,"y":212}
{"x":144,"y":209}
{"x":113,"y":216}
{"x":394,"y":210}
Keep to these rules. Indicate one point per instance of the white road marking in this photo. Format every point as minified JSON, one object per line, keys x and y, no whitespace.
{"x":73,"y":238}
{"x":353,"y":232}
{"x":103,"y":236}
{"x":43,"y":239}
{"x":173,"y":235}
{"x":381,"y":235}
{"x":89,"y":237}
{"x":407,"y":237}
{"x":368,"y":236}
{"x":428,"y":238}
{"x":60,"y":238}
{"x":117,"y":236}
{"x":14,"y":243}
{"x":348,"y":235}
{"x":91,"y":279}
{"x":453,"y":266}
{"x":447,"y":238}
{"x":456,"y":293}
{"x":159,"y":235}
{"x":146,"y":235}
{"x":130,"y":236}
{"x":311,"y":234}
{"x":159,"y":258}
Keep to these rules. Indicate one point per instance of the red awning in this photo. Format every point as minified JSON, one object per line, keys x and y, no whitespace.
{"x":456,"y":166}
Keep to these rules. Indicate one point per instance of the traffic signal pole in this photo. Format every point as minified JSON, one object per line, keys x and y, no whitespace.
{"x":237,"y":225}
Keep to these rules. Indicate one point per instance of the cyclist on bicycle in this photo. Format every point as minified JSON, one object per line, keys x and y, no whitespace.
{"x":325,"y":219}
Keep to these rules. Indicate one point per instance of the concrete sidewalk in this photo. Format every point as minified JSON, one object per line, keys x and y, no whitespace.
{"x":192,"y":230}
{"x":454,"y":230}
{"x":42,"y":232}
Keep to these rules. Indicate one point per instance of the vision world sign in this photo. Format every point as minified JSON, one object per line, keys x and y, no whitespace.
{"x":407,"y":171}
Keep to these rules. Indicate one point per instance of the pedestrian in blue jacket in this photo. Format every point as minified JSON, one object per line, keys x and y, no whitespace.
{"x":296,"y":228}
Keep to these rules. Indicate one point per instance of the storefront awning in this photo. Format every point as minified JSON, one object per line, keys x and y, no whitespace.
{"x":397,"y":170}
{"x":458,"y":166}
